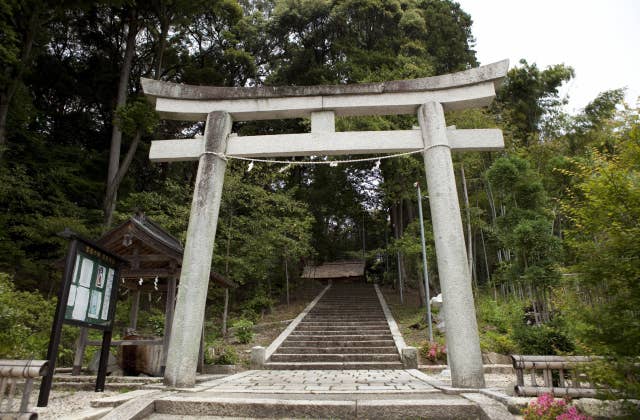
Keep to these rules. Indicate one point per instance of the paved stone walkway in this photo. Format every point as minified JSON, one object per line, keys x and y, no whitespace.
{"x":321,"y":381}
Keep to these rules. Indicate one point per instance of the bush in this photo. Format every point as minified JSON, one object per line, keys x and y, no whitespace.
{"x":25,"y":323}
{"x":546,"y":339}
{"x":433,"y":351}
{"x":494,"y":341}
{"x":226,"y":355}
{"x":545,"y":407}
{"x":243,"y":330}
{"x":255,"y":306}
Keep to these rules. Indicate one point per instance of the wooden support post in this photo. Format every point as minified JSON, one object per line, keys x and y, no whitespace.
{"x":81,"y":343}
{"x":135,"y":307}
{"x":186,"y":331}
{"x":168,"y":318}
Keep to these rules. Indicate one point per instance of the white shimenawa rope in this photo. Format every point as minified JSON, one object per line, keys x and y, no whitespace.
{"x":312,"y":162}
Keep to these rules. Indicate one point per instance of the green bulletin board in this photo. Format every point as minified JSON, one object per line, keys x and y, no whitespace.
{"x":91,"y":289}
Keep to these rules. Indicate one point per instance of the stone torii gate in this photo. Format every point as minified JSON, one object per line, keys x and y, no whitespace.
{"x":428,"y":97}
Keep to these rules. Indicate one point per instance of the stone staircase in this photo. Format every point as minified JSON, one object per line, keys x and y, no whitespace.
{"x":346,"y":329}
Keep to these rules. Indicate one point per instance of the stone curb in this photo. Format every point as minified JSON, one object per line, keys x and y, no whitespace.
{"x":490,"y":408}
{"x":137,"y":408}
{"x":393,"y":326}
{"x":120,"y":399}
{"x":292,"y":326}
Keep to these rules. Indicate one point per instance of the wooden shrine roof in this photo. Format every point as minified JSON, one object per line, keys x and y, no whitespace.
{"x":151,"y":251}
{"x":334,"y":270}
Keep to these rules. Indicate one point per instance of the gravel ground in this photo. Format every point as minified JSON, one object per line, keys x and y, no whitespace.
{"x":66,"y":403}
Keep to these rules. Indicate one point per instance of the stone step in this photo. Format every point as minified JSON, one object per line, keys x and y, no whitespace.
{"x":351,"y":331}
{"x":344,"y":324}
{"x":363,"y":328}
{"x":337,"y":350}
{"x":363,"y":357}
{"x":176,"y":407}
{"x":343,"y":337}
{"x":340,"y":319}
{"x":340,"y":312}
{"x":337,"y":343}
{"x":332,"y":365}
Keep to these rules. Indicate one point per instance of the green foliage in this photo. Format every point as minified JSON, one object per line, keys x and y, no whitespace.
{"x":137,"y":116}
{"x":226,"y":355}
{"x":25,"y":325}
{"x":529,"y":96}
{"x":243,"y":330}
{"x":155,"y":323}
{"x":604,"y":208}
{"x":495,"y":322}
{"x":542,"y":339}
{"x":223,"y":354}
{"x":523,"y":228}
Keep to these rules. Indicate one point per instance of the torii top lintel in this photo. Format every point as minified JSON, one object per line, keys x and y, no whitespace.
{"x":466,"y":89}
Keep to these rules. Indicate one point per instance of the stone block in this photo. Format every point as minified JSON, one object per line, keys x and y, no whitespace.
{"x":410,"y":358}
{"x":258,"y":355}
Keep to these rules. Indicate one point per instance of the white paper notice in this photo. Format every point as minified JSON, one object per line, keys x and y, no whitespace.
{"x":75,"y":270}
{"x":72,"y":295}
{"x":107,"y":295}
{"x":94,"y":304}
{"x":81,"y":303}
{"x":86,"y":272}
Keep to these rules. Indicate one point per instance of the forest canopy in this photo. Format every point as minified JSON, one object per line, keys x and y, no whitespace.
{"x":551,"y":222}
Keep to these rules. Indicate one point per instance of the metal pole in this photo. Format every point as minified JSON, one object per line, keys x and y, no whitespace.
{"x":425,"y":268}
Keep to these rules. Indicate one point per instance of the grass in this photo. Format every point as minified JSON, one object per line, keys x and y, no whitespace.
{"x":272,"y":324}
{"x":411,"y":318}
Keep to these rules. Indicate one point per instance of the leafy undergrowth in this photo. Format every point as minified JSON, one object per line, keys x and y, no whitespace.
{"x":235,"y":348}
{"x":411,"y":319}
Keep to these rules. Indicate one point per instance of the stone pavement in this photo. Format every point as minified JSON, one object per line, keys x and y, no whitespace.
{"x":321,"y":381}
{"x":297,"y":394}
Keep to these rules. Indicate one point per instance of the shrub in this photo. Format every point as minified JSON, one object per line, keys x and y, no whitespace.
{"x":25,"y":323}
{"x":243,"y":330}
{"x":494,"y":341}
{"x":542,"y":339}
{"x":546,"y":407}
{"x":226,"y":355}
{"x":258,"y":304}
{"x":433,"y":351}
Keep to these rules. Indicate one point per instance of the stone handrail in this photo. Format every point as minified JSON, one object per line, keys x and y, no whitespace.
{"x":11,"y":371}
{"x":561,"y":375}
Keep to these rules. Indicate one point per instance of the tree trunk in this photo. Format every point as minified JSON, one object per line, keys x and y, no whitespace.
{"x":422,"y":294}
{"x":112,"y":188}
{"x":225,"y":312}
{"x":469,"y":230}
{"x":286,"y":276}
{"x":116,"y":133}
{"x":7,"y":94}
{"x":164,"y":30}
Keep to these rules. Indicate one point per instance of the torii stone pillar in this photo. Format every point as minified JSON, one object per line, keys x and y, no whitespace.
{"x":463,"y":343}
{"x":467,"y":89}
{"x":196,"y":264}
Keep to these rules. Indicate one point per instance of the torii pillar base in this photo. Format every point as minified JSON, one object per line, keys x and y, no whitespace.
{"x":186,"y":330}
{"x":463,"y":342}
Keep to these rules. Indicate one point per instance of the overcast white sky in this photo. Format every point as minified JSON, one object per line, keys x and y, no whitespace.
{"x":600,"y":39}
